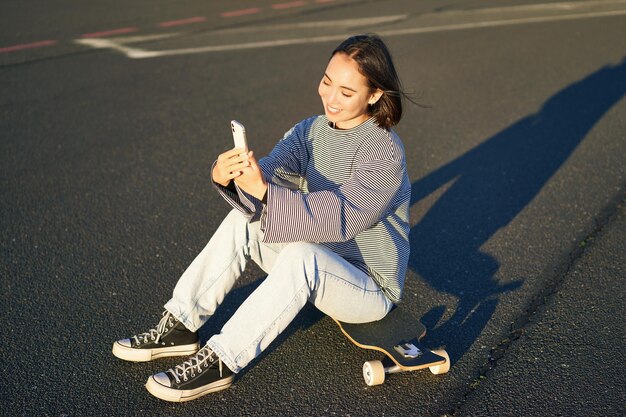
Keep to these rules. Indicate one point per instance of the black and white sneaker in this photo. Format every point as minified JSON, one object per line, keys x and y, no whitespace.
{"x":202,"y":374}
{"x":170,"y":338}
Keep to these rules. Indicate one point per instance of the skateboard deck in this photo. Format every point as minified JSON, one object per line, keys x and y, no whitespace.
{"x":398,"y":335}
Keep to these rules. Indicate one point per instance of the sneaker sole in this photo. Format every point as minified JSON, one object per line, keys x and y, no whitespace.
{"x":146,"y":355}
{"x":178,"y":396}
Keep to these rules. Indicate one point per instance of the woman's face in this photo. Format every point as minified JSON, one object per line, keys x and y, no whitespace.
{"x":345,"y":92}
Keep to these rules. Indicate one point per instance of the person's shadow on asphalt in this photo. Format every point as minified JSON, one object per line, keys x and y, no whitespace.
{"x":483,"y":190}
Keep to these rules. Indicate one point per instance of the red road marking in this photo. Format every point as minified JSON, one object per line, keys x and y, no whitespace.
{"x":241,"y":12}
{"x":27,"y":46}
{"x":108,"y":33}
{"x":180,"y":22}
{"x":289,"y":5}
{"x":171,"y":23}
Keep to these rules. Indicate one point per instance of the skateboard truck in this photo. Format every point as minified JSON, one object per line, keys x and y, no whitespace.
{"x":408,"y":350}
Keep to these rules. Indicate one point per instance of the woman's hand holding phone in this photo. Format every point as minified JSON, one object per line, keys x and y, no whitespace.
{"x":240,"y":165}
{"x":230,"y":163}
{"x":229,"y":166}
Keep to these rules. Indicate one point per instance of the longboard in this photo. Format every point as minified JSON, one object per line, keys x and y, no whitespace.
{"x":398,"y":335}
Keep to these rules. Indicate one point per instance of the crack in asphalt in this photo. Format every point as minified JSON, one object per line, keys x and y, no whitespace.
{"x":543,"y":297}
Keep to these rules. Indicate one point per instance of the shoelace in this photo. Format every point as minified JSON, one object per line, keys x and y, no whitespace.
{"x":203,"y":359}
{"x":155,"y":334}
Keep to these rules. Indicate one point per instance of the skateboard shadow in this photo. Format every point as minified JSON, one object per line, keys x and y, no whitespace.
{"x":483,"y":190}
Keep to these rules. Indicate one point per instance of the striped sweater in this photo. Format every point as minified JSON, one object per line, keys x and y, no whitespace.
{"x":347,"y":190}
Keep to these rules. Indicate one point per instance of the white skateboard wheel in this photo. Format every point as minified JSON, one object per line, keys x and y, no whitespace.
{"x":444,"y":367}
{"x":373,"y":373}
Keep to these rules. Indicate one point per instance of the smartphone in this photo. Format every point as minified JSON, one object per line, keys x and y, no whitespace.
{"x":239,"y":135}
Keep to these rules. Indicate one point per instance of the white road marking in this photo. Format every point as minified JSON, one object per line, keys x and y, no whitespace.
{"x":120,"y":44}
{"x":502,"y":22}
{"x":570,"y":5}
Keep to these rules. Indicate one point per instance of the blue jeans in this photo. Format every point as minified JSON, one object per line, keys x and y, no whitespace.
{"x":297,"y":272}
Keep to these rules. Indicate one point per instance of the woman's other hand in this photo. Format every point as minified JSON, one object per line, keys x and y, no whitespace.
{"x":251,"y":179}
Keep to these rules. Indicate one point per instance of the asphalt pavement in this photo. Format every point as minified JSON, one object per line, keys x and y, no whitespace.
{"x":567,"y":359}
{"x":111,"y":116}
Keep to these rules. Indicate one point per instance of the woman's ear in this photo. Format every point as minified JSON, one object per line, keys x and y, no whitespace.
{"x":376,"y":95}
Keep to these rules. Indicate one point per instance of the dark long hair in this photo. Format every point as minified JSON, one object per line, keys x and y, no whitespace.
{"x":375,"y":63}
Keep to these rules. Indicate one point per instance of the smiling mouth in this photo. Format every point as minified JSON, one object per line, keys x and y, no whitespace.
{"x":332,"y":110}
